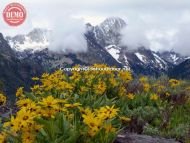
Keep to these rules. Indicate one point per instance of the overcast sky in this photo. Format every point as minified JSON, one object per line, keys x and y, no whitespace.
{"x":157,"y":24}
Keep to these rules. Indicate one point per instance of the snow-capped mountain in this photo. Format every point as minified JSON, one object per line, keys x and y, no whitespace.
{"x":108,"y":35}
{"x":151,"y":58}
{"x":103,"y":43}
{"x":108,"y":32}
{"x":36,"y":40}
{"x":173,"y":57}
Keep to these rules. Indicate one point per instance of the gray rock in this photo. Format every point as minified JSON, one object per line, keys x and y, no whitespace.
{"x":136,"y":138}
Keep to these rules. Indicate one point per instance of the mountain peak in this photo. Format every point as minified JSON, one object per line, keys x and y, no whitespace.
{"x":172,"y":57}
{"x":38,"y":34}
{"x":37,"y":39}
{"x":114,"y":19}
{"x":108,"y":32}
{"x":113,"y":23}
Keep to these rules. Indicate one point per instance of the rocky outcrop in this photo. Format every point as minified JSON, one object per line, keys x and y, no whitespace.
{"x":136,"y":138}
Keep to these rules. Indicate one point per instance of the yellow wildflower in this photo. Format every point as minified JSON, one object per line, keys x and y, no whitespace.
{"x":167,"y":94}
{"x":125,"y":119}
{"x":19,"y":92}
{"x":154,"y":97}
{"x":28,"y":137}
{"x":174,"y":82}
{"x":37,"y":127}
{"x":122,"y":91}
{"x":85,"y":111}
{"x":36,"y":89}
{"x":50,"y":102}
{"x":143,"y":79}
{"x":83,"y":89}
{"x":33,"y":107}
{"x":50,"y":113}
{"x":25,"y":117}
{"x":2,"y":137}
{"x":107,"y":112}
{"x":109,"y":128}
{"x":75,"y":77}
{"x":24,"y":102}
{"x":14,"y":123}
{"x":100,"y":88}
{"x":146,"y":87}
{"x":188,"y":88}
{"x":35,"y":78}
{"x":45,"y":75}
{"x":93,"y":122}
{"x":2,"y":99}
{"x":160,"y":88}
{"x":125,"y":76}
{"x":130,"y":96}
{"x":62,"y":86}
{"x":113,"y":82}
{"x":72,"y":105}
{"x":94,"y":129}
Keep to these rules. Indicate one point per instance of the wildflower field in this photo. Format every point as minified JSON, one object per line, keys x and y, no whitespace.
{"x":94,"y":106}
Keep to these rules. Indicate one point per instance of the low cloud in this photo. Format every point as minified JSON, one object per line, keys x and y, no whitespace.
{"x":67,"y":32}
{"x":68,"y":36}
{"x":134,"y":37}
{"x":158,"y":33}
{"x":182,"y":43}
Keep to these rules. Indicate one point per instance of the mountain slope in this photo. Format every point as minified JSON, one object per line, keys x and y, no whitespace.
{"x":172,"y":57}
{"x":14,"y":72}
{"x":181,"y":71}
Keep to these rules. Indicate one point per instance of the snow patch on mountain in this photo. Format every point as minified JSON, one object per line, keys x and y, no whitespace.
{"x":127,"y":66}
{"x":187,"y":58}
{"x":141,"y":57}
{"x":174,"y":58}
{"x":28,"y":44}
{"x":161,"y":63}
{"x":114,"y":51}
{"x":36,"y":40}
{"x":159,"y":59}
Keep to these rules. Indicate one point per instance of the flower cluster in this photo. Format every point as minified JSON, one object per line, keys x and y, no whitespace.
{"x":23,"y":125}
{"x":92,"y":106}
{"x":173,"y":83}
{"x":2,"y":99}
{"x":100,"y":119}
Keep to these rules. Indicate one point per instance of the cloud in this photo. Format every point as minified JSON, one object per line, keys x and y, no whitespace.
{"x":68,"y":36}
{"x":156,"y":24}
{"x":134,"y":36}
{"x":182,"y":43}
{"x":67,"y":32}
{"x":158,"y":31}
